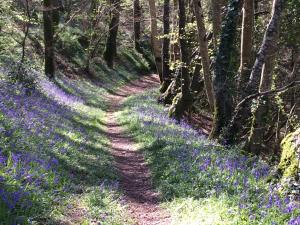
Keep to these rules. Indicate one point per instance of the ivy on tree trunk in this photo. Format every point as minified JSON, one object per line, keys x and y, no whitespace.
{"x":166,"y":47}
{"x":224,"y":75}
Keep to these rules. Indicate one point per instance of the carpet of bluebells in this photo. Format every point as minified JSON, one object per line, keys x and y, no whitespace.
{"x":54,"y":155}
{"x":204,"y":183}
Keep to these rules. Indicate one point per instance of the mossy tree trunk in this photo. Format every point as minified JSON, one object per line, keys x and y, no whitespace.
{"x":264,"y":68}
{"x":197,"y":84}
{"x":111,"y":43}
{"x":137,"y":14}
{"x":155,"y":42}
{"x":48,"y":38}
{"x":216,"y":20}
{"x":166,"y":48}
{"x":246,"y":43}
{"x":175,"y":49}
{"x":224,"y":75}
{"x":204,"y":52}
{"x":57,"y":7}
{"x":182,"y":100}
{"x":173,"y":89}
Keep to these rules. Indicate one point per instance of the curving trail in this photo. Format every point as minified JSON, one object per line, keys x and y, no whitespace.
{"x":134,"y":173}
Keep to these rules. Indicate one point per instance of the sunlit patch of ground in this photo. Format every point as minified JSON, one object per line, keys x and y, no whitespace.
{"x":201,"y":182}
{"x":55,"y":162}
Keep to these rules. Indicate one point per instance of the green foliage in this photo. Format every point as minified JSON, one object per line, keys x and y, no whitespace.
{"x":187,"y":170}
{"x":72,"y":136}
{"x":69,"y":44}
{"x":105,"y":206}
{"x":290,"y":25}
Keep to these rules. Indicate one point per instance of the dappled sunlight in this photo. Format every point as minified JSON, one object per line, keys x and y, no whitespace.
{"x":214,"y":185}
{"x":210,"y":211}
{"x":55,"y":148}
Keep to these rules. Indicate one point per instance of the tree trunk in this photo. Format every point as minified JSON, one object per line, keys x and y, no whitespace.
{"x":216,"y":20}
{"x":264,"y":67}
{"x":224,"y":74}
{"x":204,"y":52}
{"x":48,"y":38}
{"x":166,"y":47}
{"x":175,"y":49}
{"x":183,"y":100}
{"x":267,"y":44}
{"x":197,"y":84}
{"x":26,"y":31}
{"x":137,"y":14}
{"x":155,"y":42}
{"x":185,"y":77}
{"x":294,"y":75}
{"x":246,"y":43}
{"x":55,"y":12}
{"x":111,"y":43}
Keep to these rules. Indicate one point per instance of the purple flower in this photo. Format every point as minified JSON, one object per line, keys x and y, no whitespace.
{"x":295,"y":221}
{"x":3,"y":160}
{"x":290,"y":207}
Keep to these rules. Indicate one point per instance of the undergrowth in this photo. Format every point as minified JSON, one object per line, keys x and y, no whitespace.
{"x":200,"y":181}
{"x":54,"y":153}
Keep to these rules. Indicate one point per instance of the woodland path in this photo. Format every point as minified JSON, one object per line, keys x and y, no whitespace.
{"x":135,"y":176}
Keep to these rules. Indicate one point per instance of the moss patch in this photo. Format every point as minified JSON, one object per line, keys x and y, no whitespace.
{"x":289,"y":162}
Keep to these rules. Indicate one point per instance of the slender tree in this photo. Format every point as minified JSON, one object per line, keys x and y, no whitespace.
{"x":48,"y":38}
{"x":264,"y":68}
{"x":224,"y":74}
{"x":166,"y":47}
{"x":246,"y":43}
{"x":175,"y":50}
{"x":155,"y":42}
{"x":185,"y":78}
{"x":137,"y":14}
{"x":25,"y":29}
{"x":111,"y":43}
{"x":204,"y":52}
{"x":216,"y":20}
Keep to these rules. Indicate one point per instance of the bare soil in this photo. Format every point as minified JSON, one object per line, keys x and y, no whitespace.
{"x":135,"y":176}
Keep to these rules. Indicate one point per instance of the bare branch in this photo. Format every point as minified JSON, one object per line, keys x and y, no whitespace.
{"x":264,"y":93}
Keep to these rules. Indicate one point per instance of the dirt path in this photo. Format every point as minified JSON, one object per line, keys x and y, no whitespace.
{"x":142,"y":200}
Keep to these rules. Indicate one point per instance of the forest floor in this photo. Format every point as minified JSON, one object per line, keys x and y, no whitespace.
{"x":135,"y":177}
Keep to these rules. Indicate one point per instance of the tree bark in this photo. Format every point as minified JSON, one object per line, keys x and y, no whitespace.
{"x":183,"y":100}
{"x":185,"y":78}
{"x":224,"y":74}
{"x":155,"y":42}
{"x":216,"y":20}
{"x":264,"y":67}
{"x":55,"y":12}
{"x":166,"y":47}
{"x":48,"y":38}
{"x":111,"y":43}
{"x":137,"y":14}
{"x":267,"y":44}
{"x":246,"y":43}
{"x":175,"y":45}
{"x":204,"y":53}
{"x":26,"y":31}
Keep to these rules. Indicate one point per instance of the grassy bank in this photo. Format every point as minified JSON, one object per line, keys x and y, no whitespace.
{"x":201,"y":182}
{"x":55,"y":164}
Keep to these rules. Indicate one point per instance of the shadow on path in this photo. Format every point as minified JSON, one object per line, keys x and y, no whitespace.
{"x":134,"y":173}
